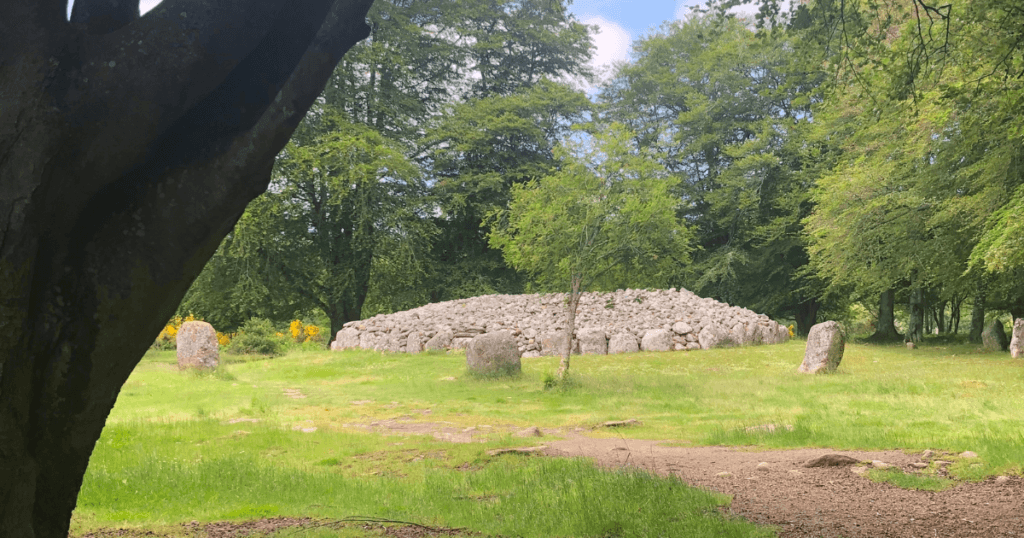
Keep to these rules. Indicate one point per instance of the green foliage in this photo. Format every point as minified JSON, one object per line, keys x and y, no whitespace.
{"x":604,"y":216}
{"x":724,"y":110}
{"x":257,"y":336}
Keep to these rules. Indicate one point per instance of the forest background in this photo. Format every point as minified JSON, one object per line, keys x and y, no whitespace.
{"x":858,"y":161}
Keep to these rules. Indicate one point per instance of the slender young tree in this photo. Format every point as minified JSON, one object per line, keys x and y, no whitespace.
{"x":605,"y":215}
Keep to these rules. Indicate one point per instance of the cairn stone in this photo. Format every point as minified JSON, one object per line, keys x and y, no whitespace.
{"x":657,"y":340}
{"x":197,"y":346}
{"x":993,"y":338}
{"x":1017,"y":342}
{"x":554,"y":343}
{"x":346,"y":338}
{"x":623,"y":343}
{"x":593,"y":341}
{"x":441,"y":340}
{"x":825,"y":345}
{"x":493,"y":353}
{"x":681,"y":328}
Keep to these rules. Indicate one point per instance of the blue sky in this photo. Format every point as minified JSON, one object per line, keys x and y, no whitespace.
{"x":623,"y":21}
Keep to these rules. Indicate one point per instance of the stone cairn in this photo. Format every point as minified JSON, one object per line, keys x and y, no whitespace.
{"x":616,"y":322}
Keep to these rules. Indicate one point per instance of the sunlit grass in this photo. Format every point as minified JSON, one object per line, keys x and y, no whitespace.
{"x":170,"y":454}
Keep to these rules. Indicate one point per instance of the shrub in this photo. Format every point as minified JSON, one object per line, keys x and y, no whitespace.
{"x":302,"y":333}
{"x":257,"y":337}
{"x":168,"y":337}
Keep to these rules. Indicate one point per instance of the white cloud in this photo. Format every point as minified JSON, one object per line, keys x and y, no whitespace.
{"x":146,"y":5}
{"x":743,"y":11}
{"x":612,"y":42}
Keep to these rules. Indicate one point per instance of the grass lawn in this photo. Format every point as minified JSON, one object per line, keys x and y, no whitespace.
{"x":169,"y":454}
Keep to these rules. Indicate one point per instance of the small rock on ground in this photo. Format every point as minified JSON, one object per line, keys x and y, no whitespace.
{"x":831,"y":460}
{"x":968,"y":454}
{"x":724,"y":474}
{"x":763,"y":467}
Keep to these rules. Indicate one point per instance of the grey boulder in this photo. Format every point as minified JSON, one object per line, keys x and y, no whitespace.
{"x":593,"y":341}
{"x":197,"y":346}
{"x":825,"y":345}
{"x":494,"y":353}
{"x":657,"y":340}
{"x":623,"y":343}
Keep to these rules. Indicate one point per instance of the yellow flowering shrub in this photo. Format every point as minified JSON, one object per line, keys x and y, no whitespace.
{"x":224,"y":338}
{"x":791,"y":333}
{"x":304,"y":333}
{"x":167,"y":339}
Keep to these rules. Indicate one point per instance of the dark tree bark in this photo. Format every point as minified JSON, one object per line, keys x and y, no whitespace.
{"x":885,"y":329}
{"x":977,"y":317}
{"x":915,"y":329}
{"x":129,"y":147}
{"x":806,"y":315}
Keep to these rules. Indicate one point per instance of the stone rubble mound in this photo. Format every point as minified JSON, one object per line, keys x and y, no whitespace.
{"x":615,"y":322}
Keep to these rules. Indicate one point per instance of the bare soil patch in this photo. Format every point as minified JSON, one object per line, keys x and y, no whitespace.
{"x":821,"y":501}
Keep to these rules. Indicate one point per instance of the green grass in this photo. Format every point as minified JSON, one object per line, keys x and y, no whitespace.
{"x":168,"y":454}
{"x":925,"y":482}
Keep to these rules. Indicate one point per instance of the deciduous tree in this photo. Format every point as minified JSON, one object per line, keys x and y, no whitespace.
{"x":605,"y":215}
{"x":129,"y":146}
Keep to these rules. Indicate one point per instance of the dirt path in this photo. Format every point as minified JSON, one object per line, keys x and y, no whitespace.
{"x":819,"y":502}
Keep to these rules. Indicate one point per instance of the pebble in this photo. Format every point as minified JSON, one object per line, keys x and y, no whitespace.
{"x":968,"y":454}
{"x":1002,"y":480}
{"x":724,"y":474}
{"x":859,"y":469}
{"x":763,"y":467}
{"x":919,"y":465}
{"x":880,"y":464}
{"x":928,"y":454}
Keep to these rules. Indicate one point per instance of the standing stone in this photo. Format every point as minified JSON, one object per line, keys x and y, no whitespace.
{"x":494,"y":353}
{"x":197,"y":346}
{"x":554,"y":343}
{"x":347,"y":338}
{"x":593,"y":342}
{"x":623,"y":343}
{"x":657,"y":340}
{"x":1017,"y":342}
{"x":993,"y":338}
{"x":441,"y":340}
{"x":414,"y":344}
{"x":825,"y":345}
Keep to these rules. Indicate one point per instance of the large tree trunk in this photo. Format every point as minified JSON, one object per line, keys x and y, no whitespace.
{"x":128,"y":149}
{"x":806,"y":316}
{"x":885,"y":329}
{"x":915,"y":330}
{"x":977,"y":316}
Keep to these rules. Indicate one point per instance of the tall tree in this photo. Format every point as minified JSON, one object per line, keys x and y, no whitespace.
{"x":128,"y":149}
{"x":724,"y":107}
{"x":478,"y":153}
{"x":605,"y":215}
{"x":343,"y":199}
